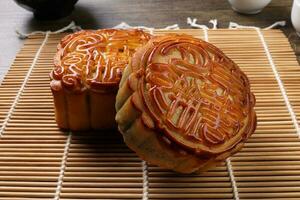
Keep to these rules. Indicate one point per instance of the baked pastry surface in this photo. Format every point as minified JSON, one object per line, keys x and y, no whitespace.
{"x":88,"y":66}
{"x":184,"y":105}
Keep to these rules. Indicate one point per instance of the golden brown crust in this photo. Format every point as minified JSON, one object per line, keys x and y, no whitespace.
{"x":96,"y":58}
{"x":88,"y":66}
{"x":187,"y":93}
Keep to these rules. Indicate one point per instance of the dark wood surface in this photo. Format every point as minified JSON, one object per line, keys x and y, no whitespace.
{"x":93,"y":14}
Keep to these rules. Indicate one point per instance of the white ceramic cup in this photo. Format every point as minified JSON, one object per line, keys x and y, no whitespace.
{"x":296,"y":16}
{"x":248,"y":6}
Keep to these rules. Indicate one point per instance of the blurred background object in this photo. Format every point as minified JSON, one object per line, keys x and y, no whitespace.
{"x":295,"y":16}
{"x":248,"y":6}
{"x":48,"y":9}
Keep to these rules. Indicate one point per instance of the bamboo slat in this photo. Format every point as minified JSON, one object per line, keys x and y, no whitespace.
{"x":39,"y":161}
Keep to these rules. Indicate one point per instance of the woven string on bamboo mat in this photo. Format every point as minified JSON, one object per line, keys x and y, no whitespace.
{"x":38,"y":161}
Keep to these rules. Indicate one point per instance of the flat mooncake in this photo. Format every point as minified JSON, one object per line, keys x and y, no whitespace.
{"x":87,"y":70}
{"x":184,"y":105}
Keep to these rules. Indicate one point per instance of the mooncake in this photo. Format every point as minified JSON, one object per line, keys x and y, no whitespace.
{"x":87,"y":70}
{"x":184,"y":105}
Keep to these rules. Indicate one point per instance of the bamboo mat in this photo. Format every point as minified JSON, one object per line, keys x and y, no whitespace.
{"x":38,"y":161}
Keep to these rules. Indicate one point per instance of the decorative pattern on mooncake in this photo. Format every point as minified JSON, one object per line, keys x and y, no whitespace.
{"x":96,"y":58}
{"x":88,"y":67}
{"x":189,"y":100}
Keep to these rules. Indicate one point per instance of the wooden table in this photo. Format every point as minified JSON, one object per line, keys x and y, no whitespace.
{"x":95,"y":14}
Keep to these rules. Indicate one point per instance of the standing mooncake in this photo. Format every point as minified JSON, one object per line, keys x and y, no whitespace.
{"x":184,"y":105}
